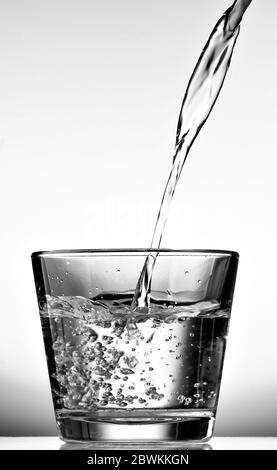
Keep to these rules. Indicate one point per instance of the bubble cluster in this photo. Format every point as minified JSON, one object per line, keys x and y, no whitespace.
{"x":86,"y":365}
{"x":105,"y":357}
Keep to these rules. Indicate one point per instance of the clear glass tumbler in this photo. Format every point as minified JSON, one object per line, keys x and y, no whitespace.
{"x":149,"y":375}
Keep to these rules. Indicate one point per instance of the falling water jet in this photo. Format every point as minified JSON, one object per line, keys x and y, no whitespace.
{"x":201,"y":94}
{"x":236,"y":13}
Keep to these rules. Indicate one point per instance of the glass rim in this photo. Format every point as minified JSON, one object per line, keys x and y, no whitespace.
{"x":133,"y":251}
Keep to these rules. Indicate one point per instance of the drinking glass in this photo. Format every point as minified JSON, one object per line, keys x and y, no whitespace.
{"x":135,"y":375}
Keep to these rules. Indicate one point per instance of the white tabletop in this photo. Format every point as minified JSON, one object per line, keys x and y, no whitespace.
{"x":216,"y":443}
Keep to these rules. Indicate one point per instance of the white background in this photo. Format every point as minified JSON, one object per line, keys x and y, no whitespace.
{"x":90,"y":93}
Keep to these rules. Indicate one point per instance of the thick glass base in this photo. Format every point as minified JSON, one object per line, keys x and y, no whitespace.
{"x":164,"y":431}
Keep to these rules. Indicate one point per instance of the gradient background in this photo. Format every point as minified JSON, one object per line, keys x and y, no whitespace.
{"x":90,"y":92}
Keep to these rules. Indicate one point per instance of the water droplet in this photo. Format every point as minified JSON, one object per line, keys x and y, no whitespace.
{"x":199,"y":281}
{"x":66,"y":273}
{"x":186,"y":273}
{"x":118,"y":270}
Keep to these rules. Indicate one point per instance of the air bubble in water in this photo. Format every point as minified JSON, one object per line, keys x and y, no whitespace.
{"x":126,"y":371}
{"x":131,"y":361}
